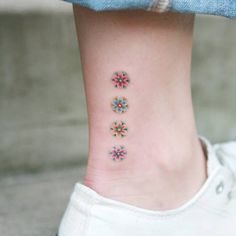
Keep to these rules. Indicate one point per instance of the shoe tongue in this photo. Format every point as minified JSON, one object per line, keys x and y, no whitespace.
{"x":212,"y":161}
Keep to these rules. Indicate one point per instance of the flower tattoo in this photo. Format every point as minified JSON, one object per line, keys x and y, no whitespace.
{"x":120,"y":79}
{"x":119,"y":104}
{"x":119,"y":129}
{"x":118,"y":153}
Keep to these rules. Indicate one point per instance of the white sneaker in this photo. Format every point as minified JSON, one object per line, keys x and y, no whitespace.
{"x":211,"y":212}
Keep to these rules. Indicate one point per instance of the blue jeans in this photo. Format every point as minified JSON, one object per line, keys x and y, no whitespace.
{"x":225,"y":8}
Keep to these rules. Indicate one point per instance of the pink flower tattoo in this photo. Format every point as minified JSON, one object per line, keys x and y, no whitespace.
{"x":118,"y":153}
{"x":119,"y":129}
{"x":120,"y":79}
{"x":119,"y":105}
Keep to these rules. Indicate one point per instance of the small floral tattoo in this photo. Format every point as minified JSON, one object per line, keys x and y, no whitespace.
{"x":119,"y":129}
{"x":118,"y":153}
{"x":120,"y":79}
{"x":119,"y":105}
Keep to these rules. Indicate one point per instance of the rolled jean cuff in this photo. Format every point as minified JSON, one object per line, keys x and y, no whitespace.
{"x":225,"y":8}
{"x":106,"y":5}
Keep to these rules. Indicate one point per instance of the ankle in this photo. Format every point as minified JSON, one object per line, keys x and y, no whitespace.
{"x":179,"y":175}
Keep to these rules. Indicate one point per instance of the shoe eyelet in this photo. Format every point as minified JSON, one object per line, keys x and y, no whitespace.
{"x":220,"y":187}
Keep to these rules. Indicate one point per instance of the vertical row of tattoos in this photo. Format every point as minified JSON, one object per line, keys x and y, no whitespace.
{"x":120,"y":105}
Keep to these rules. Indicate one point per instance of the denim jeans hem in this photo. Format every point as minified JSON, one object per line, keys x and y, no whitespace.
{"x":225,"y":8}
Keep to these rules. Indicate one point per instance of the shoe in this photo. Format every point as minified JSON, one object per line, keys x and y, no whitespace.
{"x":211,"y":212}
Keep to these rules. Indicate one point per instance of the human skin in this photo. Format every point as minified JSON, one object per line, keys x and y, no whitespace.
{"x":165,"y":164}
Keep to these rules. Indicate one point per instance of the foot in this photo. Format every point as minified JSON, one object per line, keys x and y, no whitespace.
{"x":211,"y":211}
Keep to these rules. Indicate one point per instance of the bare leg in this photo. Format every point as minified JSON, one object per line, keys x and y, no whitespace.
{"x":165,"y":164}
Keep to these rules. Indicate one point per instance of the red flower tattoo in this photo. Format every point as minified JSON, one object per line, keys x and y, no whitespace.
{"x":120,"y":79}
